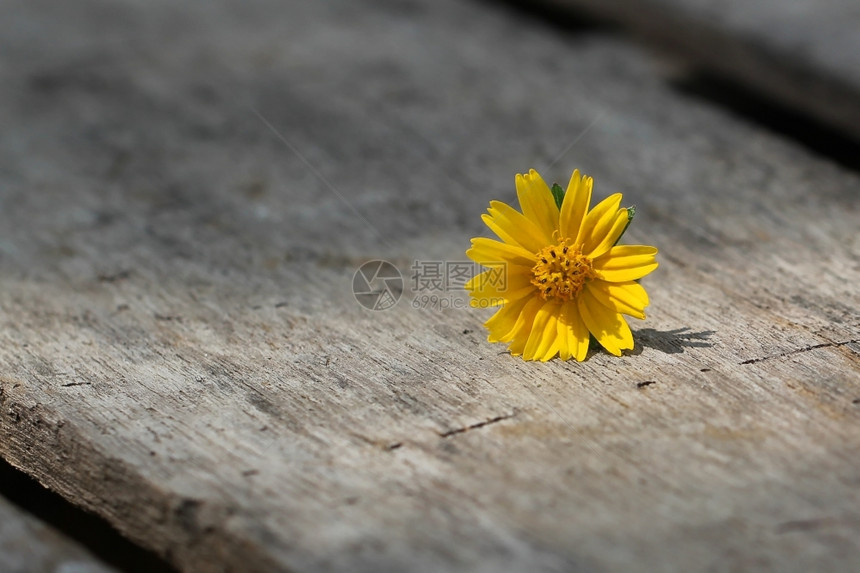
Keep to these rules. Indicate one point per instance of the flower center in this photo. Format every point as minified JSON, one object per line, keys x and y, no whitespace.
{"x":561,"y":270}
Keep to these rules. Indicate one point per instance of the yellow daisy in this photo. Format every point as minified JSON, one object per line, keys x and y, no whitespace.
{"x":565,"y":277}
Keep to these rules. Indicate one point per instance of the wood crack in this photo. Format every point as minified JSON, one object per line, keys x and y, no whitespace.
{"x":801,"y":350}
{"x":464,"y":429}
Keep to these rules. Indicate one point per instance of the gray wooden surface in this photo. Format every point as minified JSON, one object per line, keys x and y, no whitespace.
{"x":805,"y":53}
{"x":187,"y":191}
{"x":29,"y":546}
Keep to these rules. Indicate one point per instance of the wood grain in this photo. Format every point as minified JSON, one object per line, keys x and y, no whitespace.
{"x":187,"y":193}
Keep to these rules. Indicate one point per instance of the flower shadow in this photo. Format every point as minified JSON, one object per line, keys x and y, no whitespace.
{"x":671,"y":341}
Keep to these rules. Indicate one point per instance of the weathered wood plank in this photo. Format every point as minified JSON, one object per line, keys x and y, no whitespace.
{"x":181,"y":352}
{"x":29,"y":546}
{"x":804,"y":52}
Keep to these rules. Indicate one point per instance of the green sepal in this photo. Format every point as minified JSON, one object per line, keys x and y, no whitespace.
{"x":557,"y":194}
{"x":631,"y":212}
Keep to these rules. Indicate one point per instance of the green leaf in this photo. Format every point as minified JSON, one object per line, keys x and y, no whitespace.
{"x":557,"y":194}
{"x":631,"y":212}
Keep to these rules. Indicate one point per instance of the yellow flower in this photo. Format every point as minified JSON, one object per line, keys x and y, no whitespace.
{"x":565,"y":277}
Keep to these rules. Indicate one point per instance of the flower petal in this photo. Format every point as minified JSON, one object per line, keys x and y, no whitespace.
{"x":490,"y":289}
{"x":549,"y":344}
{"x":539,"y":329}
{"x":598,"y":222}
{"x":561,"y":335}
{"x":525,"y":324}
{"x":608,"y":327}
{"x":627,"y":297}
{"x":577,"y":333}
{"x":625,"y":263}
{"x":499,"y":230}
{"x":537,"y":203}
{"x":575,"y":204}
{"x":552,"y":351}
{"x":502,"y":325}
{"x":606,"y":235}
{"x":492,"y":253}
{"x":517,"y":226}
